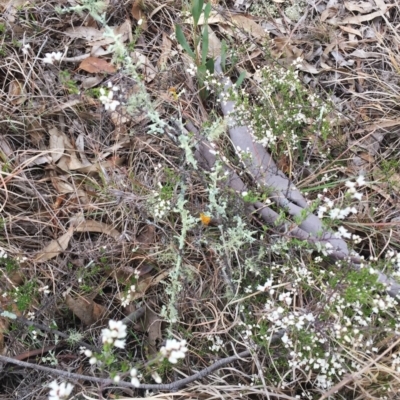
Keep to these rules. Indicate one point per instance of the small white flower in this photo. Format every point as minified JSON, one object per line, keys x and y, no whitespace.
{"x":88,"y":353}
{"x":107,"y":100}
{"x":156,"y":377}
{"x":134,"y":377}
{"x":140,"y":22}
{"x":93,"y":360}
{"x":351,"y":185}
{"x":50,"y":58}
{"x":267,"y":285}
{"x":343,"y":232}
{"x":116,"y":379}
{"x":60,"y":391}
{"x":361,"y":180}
{"x":31,"y":316}
{"x":357,"y":195}
{"x":25,"y":49}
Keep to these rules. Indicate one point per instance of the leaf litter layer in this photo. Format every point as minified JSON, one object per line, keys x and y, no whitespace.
{"x":102,"y":202}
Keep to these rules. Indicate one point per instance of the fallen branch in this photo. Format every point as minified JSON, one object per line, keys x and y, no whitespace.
{"x":284,"y":193}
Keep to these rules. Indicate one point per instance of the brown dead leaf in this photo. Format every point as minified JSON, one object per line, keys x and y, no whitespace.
{"x":85,"y":32}
{"x":145,"y":66}
{"x":351,"y":30}
{"x":382,"y":6}
{"x":91,"y":81}
{"x":356,"y":19}
{"x":146,"y":282}
{"x":328,"y":13}
{"x":124,"y":32}
{"x":152,"y":324}
{"x":55,"y":247}
{"x":80,"y":147}
{"x":16,"y":93}
{"x":61,"y":185}
{"x":56,"y":143}
{"x":360,"y":53}
{"x":307,"y":67}
{"x":138,"y":13}
{"x":96,"y":226}
{"x":70,"y":162}
{"x":147,"y":235}
{"x":85,"y":309}
{"x":250,"y":26}
{"x":96,"y":65}
{"x":165,"y":51}
{"x":362,"y":7}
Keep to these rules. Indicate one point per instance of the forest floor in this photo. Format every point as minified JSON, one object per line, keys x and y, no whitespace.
{"x":129,"y":267}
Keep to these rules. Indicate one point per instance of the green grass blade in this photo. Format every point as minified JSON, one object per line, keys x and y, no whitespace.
{"x":204,"y":45}
{"x":180,"y":37}
{"x":197,"y":9}
{"x":224,"y":49}
{"x":240,"y":79}
{"x":207,"y":11}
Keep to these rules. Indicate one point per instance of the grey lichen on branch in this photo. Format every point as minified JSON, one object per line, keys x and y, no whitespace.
{"x":285,"y":194}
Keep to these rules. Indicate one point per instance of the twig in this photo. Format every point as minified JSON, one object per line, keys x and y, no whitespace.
{"x":134,"y":316}
{"x":108,"y":382}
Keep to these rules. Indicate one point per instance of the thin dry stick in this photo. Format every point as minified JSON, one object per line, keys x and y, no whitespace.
{"x":109,"y":382}
{"x":351,"y":378}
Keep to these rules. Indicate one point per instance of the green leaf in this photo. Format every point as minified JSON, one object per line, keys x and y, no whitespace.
{"x":180,"y":37}
{"x":210,"y":65}
{"x":207,"y":11}
{"x":240,"y":79}
{"x":204,"y":45}
{"x":197,"y":9}
{"x":201,"y":74}
{"x":224,"y":49}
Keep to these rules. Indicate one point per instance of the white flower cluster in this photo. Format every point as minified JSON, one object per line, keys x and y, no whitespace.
{"x":89,"y":353}
{"x":297,"y":63}
{"x":115,"y":334}
{"x":135,"y":377}
{"x":394,"y":258}
{"x":396,"y":362}
{"x":218,"y":343}
{"x":126,"y":300}
{"x":107,"y":98}
{"x":334,"y":212}
{"x":60,"y":391}
{"x":192,"y":70}
{"x":159,"y":207}
{"x":360,"y":181}
{"x":3,"y":253}
{"x":50,"y":58}
{"x":174,"y":350}
{"x":267,"y":285}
